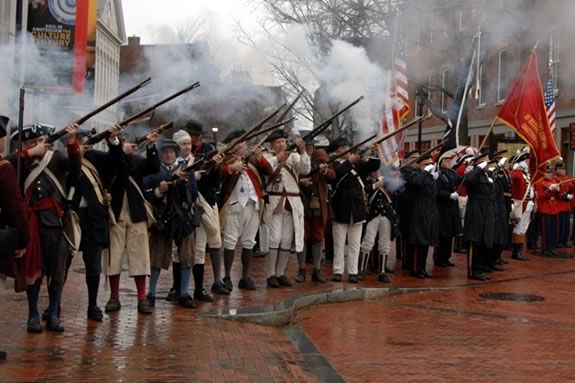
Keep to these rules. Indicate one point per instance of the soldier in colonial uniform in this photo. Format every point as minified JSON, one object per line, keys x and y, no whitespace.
{"x":46,"y":196}
{"x":547,"y":192}
{"x":405,"y":207}
{"x":349,"y":206}
{"x":479,"y":227}
{"x":424,"y":220}
{"x":286,"y":214}
{"x":448,"y":207}
{"x":523,"y":205}
{"x":241,"y":200}
{"x":13,"y":220}
{"x":317,"y":213}
{"x":564,"y":204}
{"x":129,"y":235}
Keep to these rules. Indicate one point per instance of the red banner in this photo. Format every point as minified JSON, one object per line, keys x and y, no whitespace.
{"x":524,"y":112}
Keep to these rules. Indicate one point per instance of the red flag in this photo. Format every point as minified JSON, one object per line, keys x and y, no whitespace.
{"x":524,"y":112}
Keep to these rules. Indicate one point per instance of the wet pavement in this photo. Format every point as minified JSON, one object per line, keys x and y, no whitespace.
{"x":447,"y":333}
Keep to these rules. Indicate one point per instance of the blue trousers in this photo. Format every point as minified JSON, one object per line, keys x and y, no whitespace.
{"x":548,"y":231}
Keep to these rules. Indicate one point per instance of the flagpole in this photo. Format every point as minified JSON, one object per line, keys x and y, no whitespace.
{"x":489,"y":132}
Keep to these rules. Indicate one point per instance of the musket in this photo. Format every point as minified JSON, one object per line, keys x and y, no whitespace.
{"x":352,"y":149}
{"x":290,"y":107}
{"x":20,"y":129}
{"x":159,"y":130}
{"x":192,"y":167}
{"x":428,"y":151}
{"x":106,"y":133}
{"x":61,"y":133}
{"x":271,"y":128}
{"x":324,"y":125}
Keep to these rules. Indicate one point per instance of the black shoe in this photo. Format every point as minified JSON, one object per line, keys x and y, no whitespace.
{"x":561,"y":255}
{"x":519,"y":257}
{"x":187,"y":302}
{"x":34,"y":326}
{"x":501,"y":261}
{"x":144,"y":307}
{"x":53,"y":324}
{"x":3,"y":355}
{"x":384,"y":278}
{"x":427,"y":274}
{"x":336,"y":278}
{"x":353,"y":278}
{"x":112,"y":306}
{"x":449,"y":264}
{"x":440,"y":264}
{"x":300,"y":276}
{"x":95,"y":314}
{"x":317,"y":276}
{"x":173,"y":296}
{"x":259,"y":254}
{"x":284,"y":281}
{"x":202,"y":296}
{"x":151,"y":300}
{"x":388,"y":270}
{"x":219,"y":289}
{"x":496,"y":268}
{"x":273,"y":282}
{"x":228,"y":284}
{"x":361,"y":275}
{"x":479,"y":277}
{"x":45,"y":313}
{"x":246,"y":284}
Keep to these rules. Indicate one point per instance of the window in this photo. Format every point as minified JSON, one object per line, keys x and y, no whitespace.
{"x":425,"y":145}
{"x":502,"y":75}
{"x":430,"y":84}
{"x":554,"y":59}
{"x":482,"y":83}
{"x":443,"y":88}
{"x":406,"y":147}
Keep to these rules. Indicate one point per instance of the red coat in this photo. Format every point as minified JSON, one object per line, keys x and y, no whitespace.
{"x":230,"y":179}
{"x":461,"y":190}
{"x":546,"y":198}
{"x":564,"y":205}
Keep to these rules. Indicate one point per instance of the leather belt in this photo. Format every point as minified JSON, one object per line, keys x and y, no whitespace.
{"x":284,"y":194}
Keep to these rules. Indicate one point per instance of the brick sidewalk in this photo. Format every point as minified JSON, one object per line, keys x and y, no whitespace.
{"x":180,"y":345}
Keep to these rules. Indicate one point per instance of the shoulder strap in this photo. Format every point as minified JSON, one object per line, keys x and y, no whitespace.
{"x":133,"y":181}
{"x":93,"y":176}
{"x":38,"y":169}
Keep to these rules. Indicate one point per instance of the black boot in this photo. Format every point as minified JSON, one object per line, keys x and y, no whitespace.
{"x":518,"y":252}
{"x":199,"y":293}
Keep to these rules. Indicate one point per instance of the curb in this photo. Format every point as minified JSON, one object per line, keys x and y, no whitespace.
{"x":284,"y":312}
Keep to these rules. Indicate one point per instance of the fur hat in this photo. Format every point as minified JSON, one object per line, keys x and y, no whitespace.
{"x":181,"y":136}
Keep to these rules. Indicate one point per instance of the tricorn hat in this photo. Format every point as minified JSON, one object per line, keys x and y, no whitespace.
{"x":276,"y":135}
{"x":411,"y":153}
{"x":479,"y":158}
{"x":337,"y":143}
{"x":194,"y":127}
{"x":30,"y":132}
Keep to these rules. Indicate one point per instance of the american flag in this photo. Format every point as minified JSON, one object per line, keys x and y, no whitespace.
{"x":550,"y":103}
{"x":396,"y":106}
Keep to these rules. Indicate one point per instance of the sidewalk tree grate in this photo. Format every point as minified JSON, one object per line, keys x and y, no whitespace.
{"x":513,"y":297}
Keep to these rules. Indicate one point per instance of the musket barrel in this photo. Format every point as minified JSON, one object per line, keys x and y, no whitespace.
{"x":61,"y":133}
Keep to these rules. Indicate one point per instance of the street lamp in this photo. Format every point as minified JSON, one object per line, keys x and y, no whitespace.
{"x":215,"y":133}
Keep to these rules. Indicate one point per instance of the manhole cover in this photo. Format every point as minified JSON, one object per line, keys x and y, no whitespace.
{"x":512,"y":297}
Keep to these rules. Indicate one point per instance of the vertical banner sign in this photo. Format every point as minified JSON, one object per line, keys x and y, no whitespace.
{"x":59,"y":30}
{"x":81,"y":33}
{"x":91,"y":48}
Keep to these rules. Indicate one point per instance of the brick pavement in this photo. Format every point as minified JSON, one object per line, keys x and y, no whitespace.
{"x":180,"y":345}
{"x":455,"y":335}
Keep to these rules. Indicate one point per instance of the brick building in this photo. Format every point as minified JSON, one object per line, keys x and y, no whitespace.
{"x":439,"y":37}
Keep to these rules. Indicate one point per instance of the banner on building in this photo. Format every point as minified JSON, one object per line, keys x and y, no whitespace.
{"x":58,"y":29}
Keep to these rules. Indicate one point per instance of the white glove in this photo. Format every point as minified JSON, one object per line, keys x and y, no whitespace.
{"x":429,"y":168}
{"x":491,"y":168}
{"x":435,"y":175}
{"x":502,"y":161}
{"x":554,"y":187}
{"x":482,"y":165}
{"x":454,"y":196}
{"x":569,"y":197}
{"x":468,"y":168}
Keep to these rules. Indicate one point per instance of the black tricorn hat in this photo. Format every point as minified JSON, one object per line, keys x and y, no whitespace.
{"x":29,"y":132}
{"x":194,"y":127}
{"x":412,"y":153}
{"x":337,"y":143}
{"x":4,"y":126}
{"x":233,"y":135}
{"x":499,"y":154}
{"x":169,"y":144}
{"x":276,"y":135}
{"x":479,"y":158}
{"x":559,"y":165}
{"x":425,"y":159}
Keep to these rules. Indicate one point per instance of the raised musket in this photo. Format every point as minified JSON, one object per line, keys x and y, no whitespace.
{"x":106,"y":133}
{"x":159,"y":130}
{"x":61,"y":133}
